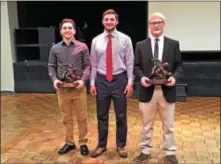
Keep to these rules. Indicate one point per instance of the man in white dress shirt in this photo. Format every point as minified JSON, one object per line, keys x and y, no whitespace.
{"x":157,"y":98}
{"x":111,"y":79}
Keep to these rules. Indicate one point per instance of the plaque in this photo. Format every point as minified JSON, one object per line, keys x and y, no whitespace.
{"x":159,"y":74}
{"x":69,"y":77}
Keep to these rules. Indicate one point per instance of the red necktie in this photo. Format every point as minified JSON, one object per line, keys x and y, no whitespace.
{"x":109,"y":75}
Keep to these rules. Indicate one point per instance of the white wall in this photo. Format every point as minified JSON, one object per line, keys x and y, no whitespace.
{"x":8,"y":23}
{"x":13,"y":22}
{"x":195,"y":24}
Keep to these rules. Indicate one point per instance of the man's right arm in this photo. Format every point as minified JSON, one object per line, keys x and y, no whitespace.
{"x":52,"y":64}
{"x":137,"y":62}
{"x":137,"y":67}
{"x":94,"y":63}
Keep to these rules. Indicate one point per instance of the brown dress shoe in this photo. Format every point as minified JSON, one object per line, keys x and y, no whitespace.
{"x":122,"y":152}
{"x":97,"y":152}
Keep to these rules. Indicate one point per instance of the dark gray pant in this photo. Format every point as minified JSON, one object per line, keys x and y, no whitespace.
{"x":107,"y":91}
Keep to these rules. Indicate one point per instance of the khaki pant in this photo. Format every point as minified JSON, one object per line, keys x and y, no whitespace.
{"x":148,"y":111}
{"x":69,"y":100}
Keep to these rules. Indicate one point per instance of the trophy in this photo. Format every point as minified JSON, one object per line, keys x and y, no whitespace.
{"x":159,"y":74}
{"x":69,"y":77}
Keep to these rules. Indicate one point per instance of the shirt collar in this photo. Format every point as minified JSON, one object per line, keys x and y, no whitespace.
{"x":71,"y":43}
{"x":160,"y":38}
{"x":114,"y":33}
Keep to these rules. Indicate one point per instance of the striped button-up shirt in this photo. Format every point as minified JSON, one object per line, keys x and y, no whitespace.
{"x":122,"y":55}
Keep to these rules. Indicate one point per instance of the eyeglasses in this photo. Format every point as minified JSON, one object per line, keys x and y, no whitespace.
{"x":156,"y":23}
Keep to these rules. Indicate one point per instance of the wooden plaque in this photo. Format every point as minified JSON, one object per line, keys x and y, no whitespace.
{"x":68,"y":85}
{"x":157,"y":81}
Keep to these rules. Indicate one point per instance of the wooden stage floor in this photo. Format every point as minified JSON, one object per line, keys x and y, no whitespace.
{"x":32,"y":131}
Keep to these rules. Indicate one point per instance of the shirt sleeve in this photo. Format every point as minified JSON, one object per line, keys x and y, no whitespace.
{"x":52,"y":65}
{"x":86,"y":64}
{"x":130,"y":61}
{"x":94,"y":63}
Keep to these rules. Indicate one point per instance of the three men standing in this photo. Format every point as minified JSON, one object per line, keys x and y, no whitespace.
{"x":111,"y":79}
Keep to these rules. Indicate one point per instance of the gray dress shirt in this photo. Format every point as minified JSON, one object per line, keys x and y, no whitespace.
{"x":62,"y":55}
{"x":122,"y":55}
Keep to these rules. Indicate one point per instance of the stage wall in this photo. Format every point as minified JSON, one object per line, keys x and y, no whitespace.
{"x":8,"y":24}
{"x":195,"y":24}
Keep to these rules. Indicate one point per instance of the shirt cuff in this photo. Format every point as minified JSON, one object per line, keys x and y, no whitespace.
{"x":130,"y":81}
{"x":54,"y":78}
{"x":92,"y":83}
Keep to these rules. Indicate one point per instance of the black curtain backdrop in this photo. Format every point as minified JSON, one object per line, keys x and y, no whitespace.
{"x":132,"y":16}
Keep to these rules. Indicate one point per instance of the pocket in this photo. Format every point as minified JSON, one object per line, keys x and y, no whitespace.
{"x":125,"y":80}
{"x":98,"y":80}
{"x":59,"y":91}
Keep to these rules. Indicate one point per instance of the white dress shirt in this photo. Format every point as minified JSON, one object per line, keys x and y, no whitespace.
{"x":160,"y":44}
{"x":122,"y":54}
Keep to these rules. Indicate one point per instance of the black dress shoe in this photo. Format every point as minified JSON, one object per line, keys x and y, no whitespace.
{"x":84,"y":150}
{"x":66,"y":148}
{"x":141,"y":158}
{"x":172,"y":159}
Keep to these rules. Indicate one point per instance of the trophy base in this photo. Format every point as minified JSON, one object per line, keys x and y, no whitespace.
{"x":157,"y":81}
{"x":68,"y":85}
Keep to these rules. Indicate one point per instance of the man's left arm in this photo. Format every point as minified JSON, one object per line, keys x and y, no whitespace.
{"x":130,"y":61}
{"x":178,"y":68}
{"x":86,"y":64}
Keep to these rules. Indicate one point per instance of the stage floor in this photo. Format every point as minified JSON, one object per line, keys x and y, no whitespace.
{"x":32,"y":131}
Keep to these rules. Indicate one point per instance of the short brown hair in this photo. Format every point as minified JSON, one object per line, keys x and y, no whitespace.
{"x":67,"y":20}
{"x":110,"y":11}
